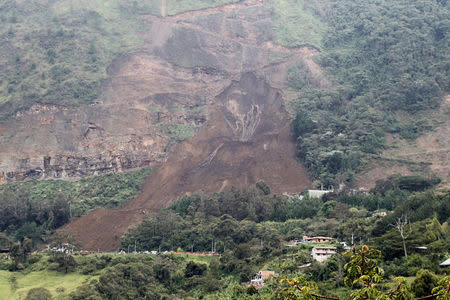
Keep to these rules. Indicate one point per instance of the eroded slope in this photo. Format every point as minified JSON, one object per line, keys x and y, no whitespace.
{"x":151,"y":99}
{"x":245,"y":140}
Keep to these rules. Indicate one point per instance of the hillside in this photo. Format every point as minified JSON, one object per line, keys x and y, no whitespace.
{"x":216,"y":94}
{"x":64,"y":140}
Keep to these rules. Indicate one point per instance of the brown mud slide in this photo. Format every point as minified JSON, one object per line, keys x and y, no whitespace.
{"x":211,"y":70}
{"x":246,"y":139}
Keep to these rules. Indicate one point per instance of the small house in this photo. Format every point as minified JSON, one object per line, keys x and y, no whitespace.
{"x":259,"y":279}
{"x":445,"y":264}
{"x":321,"y":254}
{"x":317,"y":239}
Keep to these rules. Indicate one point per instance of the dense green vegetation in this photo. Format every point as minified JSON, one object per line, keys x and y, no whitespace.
{"x":146,"y":276}
{"x":250,"y":229}
{"x":237,"y":216}
{"x":391,"y":58}
{"x":31,"y":208}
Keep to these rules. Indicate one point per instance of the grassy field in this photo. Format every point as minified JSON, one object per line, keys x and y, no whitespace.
{"x":58,"y":284}
{"x":178,"y":6}
{"x":296,"y":23}
{"x":61,"y":285}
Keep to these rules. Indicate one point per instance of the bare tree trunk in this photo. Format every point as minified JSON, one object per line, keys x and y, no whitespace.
{"x":400,"y":225}
{"x":404,"y":248}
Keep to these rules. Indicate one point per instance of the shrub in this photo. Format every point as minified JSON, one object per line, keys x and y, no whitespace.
{"x":38,"y":294}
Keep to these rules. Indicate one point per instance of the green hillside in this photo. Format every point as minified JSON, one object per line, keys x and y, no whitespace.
{"x":35,"y":208}
{"x":388,"y":63}
{"x":58,"y":52}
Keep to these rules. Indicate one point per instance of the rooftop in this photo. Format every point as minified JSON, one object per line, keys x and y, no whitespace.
{"x":446,"y":263}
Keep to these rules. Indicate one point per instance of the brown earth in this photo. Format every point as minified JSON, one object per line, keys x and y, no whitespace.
{"x":246,"y":139}
{"x":188,"y":59}
{"x":196,"y":59}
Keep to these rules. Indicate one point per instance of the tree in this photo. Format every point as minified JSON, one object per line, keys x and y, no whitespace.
{"x":300,"y":288}
{"x":302,"y":123}
{"x":424,"y":283}
{"x":404,"y":228}
{"x":363,"y":267}
{"x":193,"y":269}
{"x":362,"y":271}
{"x":20,"y":252}
{"x":442,"y":291}
{"x":62,"y":247}
{"x":5,"y":241}
{"x":263,"y":187}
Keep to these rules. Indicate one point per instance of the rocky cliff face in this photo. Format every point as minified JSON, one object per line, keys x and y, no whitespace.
{"x":188,"y":60}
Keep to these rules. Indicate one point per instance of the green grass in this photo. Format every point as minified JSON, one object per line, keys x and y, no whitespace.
{"x":50,"y":280}
{"x":198,"y":259}
{"x":296,"y":24}
{"x":179,"y":132}
{"x":178,"y":6}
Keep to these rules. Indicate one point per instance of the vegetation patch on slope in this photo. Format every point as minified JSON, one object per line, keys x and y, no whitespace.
{"x":296,"y":23}
{"x":32,"y":208}
{"x":388,"y":62}
{"x":249,"y":230}
{"x":57,"y":52}
{"x":178,"y":6}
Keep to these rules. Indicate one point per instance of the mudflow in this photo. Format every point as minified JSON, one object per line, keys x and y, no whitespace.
{"x":214,"y":61}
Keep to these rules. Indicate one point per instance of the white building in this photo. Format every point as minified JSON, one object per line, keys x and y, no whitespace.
{"x":258,"y":279}
{"x":318,"y":193}
{"x":322,"y":253}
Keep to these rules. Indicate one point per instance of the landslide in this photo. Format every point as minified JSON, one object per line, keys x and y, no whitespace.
{"x":166,"y":86}
{"x":245,"y":140}
{"x":198,"y":60}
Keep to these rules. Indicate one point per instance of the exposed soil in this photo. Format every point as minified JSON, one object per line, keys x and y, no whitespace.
{"x":246,"y":139}
{"x":198,"y":58}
